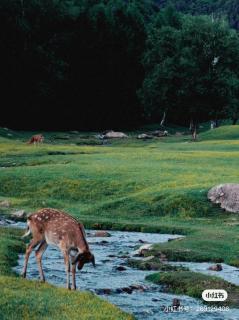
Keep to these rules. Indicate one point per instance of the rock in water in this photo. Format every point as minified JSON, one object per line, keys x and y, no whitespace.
{"x":120,"y":268}
{"x":127,"y":290}
{"x":101,"y":233}
{"x":142,"y":241}
{"x":216,"y":267}
{"x":227,"y":195}
{"x":176,"y":303}
{"x":103,"y":291}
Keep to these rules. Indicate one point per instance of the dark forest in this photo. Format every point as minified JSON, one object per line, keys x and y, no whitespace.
{"x":94,"y":65}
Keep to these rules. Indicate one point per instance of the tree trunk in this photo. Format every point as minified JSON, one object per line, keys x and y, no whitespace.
{"x":234,"y":121}
{"x":195,"y":133}
{"x":193,"y":129}
{"x":163,"y":120}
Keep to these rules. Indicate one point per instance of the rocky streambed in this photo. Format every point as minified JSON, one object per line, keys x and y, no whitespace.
{"x":120,"y":284}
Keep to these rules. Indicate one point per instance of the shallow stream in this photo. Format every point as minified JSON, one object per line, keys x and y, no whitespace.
{"x":146,"y":301}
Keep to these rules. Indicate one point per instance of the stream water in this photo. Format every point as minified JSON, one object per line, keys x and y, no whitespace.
{"x":146,"y":302}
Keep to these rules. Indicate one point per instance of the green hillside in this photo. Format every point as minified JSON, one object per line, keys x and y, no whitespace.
{"x":221,"y":133}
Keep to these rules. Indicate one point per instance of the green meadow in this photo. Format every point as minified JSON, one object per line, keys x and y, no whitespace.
{"x":157,"y":185}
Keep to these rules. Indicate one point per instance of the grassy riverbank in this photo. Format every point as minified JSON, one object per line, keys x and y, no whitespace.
{"x":34,"y":300}
{"x":193,"y":284}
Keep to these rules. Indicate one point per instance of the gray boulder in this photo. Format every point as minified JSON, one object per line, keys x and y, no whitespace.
{"x":216,"y":267}
{"x":115,"y":135}
{"x":227,"y":195}
{"x":5,"y":204}
{"x":159,"y":133}
{"x":142,"y":250}
{"x":101,"y":233}
{"x":144,"y":136}
{"x":19,"y":215}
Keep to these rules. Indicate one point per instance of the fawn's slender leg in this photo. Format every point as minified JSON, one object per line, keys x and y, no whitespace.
{"x":73,"y":276}
{"x":30,"y":247}
{"x":67,"y":266}
{"x":39,"y":254}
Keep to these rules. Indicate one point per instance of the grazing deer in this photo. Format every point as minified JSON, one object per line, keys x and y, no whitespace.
{"x":36,"y":139}
{"x":54,"y":227}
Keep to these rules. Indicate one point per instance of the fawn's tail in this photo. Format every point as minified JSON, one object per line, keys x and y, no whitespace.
{"x":27,"y":233}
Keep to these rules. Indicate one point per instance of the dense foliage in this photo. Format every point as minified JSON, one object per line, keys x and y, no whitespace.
{"x":79,"y":60}
{"x":192,"y":68}
{"x":228,"y":9}
{"x":108,"y":64}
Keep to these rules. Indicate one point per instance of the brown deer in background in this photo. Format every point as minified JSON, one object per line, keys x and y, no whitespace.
{"x":54,"y":227}
{"x":36,"y":139}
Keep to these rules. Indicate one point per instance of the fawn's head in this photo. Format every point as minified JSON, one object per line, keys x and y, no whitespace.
{"x":82,"y":258}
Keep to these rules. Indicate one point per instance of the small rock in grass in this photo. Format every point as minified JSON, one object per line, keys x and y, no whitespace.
{"x":5,"y":204}
{"x":216,"y":267}
{"x":159,"y":133}
{"x":113,"y":135}
{"x":144,"y":136}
